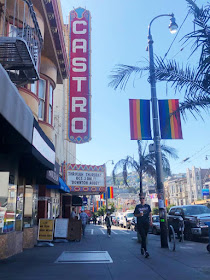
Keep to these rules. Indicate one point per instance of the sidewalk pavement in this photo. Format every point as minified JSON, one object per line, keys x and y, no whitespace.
{"x":190,"y":261}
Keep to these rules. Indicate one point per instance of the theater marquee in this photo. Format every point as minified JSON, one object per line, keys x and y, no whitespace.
{"x":85,"y":178}
{"x":79,"y":103}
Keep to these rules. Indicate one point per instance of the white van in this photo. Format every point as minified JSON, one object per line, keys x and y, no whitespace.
{"x":119,"y":217}
{"x":127,"y":219}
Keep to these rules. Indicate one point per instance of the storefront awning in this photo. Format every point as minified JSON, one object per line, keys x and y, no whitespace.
{"x":42,"y":148}
{"x":62,"y":186}
{"x":21,"y":136}
{"x":76,"y":201}
{"x":13,"y":107}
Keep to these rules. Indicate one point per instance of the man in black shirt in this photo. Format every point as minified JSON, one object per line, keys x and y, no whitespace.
{"x":144,"y":219}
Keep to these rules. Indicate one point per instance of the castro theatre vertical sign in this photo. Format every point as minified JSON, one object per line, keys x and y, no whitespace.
{"x":79,"y":103}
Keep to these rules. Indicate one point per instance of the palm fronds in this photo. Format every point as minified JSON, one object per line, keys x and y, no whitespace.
{"x":145,"y":165}
{"x":194,"y":82}
{"x":194,"y":105}
{"x":186,"y":79}
{"x":122,"y":73}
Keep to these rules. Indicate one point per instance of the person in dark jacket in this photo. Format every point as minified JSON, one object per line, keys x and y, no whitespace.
{"x":108,"y":222}
{"x":144,"y":220}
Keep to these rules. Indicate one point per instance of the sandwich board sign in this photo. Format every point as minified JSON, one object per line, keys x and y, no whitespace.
{"x":46,"y":229}
{"x":61,"y":228}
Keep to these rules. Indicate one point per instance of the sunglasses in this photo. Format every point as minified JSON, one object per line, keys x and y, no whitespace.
{"x":141,"y":197}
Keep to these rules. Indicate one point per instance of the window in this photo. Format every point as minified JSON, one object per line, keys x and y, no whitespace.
{"x":172,"y":211}
{"x":50,"y":105}
{"x":34,"y":88}
{"x":7,"y":203}
{"x":19,"y":210}
{"x":30,"y":206}
{"x":13,"y":31}
{"x":42,"y":89}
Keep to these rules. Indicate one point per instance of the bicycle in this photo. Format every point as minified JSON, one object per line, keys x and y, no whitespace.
{"x":171,"y":239}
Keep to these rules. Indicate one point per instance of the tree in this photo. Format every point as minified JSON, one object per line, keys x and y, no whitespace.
{"x":145,"y":163}
{"x":101,"y":211}
{"x":193,"y":81}
{"x":155,"y":211}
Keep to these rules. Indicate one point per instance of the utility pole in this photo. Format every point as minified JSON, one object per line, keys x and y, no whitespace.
{"x":156,"y":131}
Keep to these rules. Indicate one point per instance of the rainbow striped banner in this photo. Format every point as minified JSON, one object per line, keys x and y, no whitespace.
{"x":170,"y":125}
{"x":110,"y":192}
{"x":99,"y":204}
{"x":140,"y":119}
{"x":103,"y":196}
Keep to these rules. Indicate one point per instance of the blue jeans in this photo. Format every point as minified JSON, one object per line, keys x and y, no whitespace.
{"x":83,"y":228}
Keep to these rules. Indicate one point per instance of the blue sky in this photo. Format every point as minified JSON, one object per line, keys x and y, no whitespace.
{"x":119,"y":35}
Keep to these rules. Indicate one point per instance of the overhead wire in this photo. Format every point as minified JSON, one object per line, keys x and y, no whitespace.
{"x":197,"y":154}
{"x":176,"y":36}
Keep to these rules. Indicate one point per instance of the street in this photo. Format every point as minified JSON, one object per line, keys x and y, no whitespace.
{"x":100,"y":257}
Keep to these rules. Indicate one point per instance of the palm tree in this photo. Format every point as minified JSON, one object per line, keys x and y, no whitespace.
{"x":145,"y":163}
{"x":194,"y":81}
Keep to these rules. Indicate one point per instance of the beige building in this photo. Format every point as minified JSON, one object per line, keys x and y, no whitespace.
{"x":33,"y":90}
{"x":196,"y":178}
{"x":176,"y":191}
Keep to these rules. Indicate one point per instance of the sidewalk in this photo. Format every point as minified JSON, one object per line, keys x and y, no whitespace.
{"x":190,"y":261}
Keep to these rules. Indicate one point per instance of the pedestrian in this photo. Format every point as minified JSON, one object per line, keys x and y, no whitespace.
{"x":144,"y":220}
{"x":73,"y":214}
{"x":108,"y":222}
{"x":84,"y":220}
{"x":94,"y":220}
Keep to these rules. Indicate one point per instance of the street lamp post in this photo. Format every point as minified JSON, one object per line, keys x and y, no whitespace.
{"x":106,"y":194}
{"x":159,"y":169}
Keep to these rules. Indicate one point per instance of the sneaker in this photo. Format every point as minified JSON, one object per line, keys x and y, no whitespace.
{"x":109,"y":235}
{"x":146,"y":254}
{"x":142,"y":251}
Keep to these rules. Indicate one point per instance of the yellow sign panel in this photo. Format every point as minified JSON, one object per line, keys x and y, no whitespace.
{"x":46,"y":229}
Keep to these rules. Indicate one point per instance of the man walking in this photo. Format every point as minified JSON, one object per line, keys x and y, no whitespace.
{"x":108,"y":221}
{"x":84,"y":219}
{"x":144,"y":220}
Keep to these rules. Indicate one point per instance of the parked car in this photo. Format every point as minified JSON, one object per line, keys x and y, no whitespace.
{"x":120,"y":220}
{"x":113,"y":219}
{"x":155,"y":228}
{"x":194,"y":217}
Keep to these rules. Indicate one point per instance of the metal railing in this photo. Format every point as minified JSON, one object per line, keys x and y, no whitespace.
{"x":20,"y":41}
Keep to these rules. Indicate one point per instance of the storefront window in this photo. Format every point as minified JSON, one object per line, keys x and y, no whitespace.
{"x":7,"y":203}
{"x":19,"y":211}
{"x":35,"y":205}
{"x":30,"y":206}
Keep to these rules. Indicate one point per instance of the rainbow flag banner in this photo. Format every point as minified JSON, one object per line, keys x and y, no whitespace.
{"x":103,"y":196}
{"x":110,"y":192}
{"x":140,"y":119}
{"x":99,"y":204}
{"x":170,"y":125}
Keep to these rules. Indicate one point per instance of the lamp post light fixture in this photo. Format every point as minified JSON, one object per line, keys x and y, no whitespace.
{"x":106,"y":193}
{"x":206,"y":158}
{"x":156,"y":131}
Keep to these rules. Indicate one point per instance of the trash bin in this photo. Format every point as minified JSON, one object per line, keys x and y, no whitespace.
{"x":75,"y":230}
{"x":208,"y":246}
